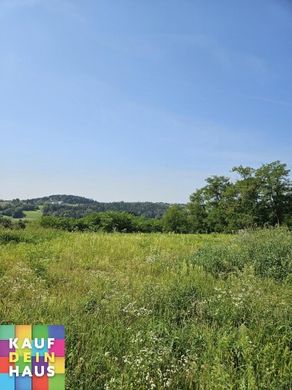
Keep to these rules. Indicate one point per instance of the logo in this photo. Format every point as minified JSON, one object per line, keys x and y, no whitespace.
{"x":32,"y":357}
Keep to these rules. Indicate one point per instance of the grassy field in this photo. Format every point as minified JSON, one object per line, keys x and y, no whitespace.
{"x":156,"y":311}
{"x":30,"y":216}
{"x":33,"y":215}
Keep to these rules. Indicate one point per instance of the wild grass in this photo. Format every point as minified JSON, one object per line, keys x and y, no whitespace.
{"x":156,"y":311}
{"x":32,"y":215}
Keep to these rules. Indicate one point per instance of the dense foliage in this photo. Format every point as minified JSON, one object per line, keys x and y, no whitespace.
{"x":145,"y":209}
{"x":110,"y":221}
{"x":10,"y":224}
{"x":149,"y":311}
{"x":259,"y":197}
{"x":256,"y":198}
{"x":77,"y":206}
{"x":15,"y":208}
{"x":61,"y":199}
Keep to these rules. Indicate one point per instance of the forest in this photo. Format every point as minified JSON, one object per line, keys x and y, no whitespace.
{"x":251,"y":198}
{"x":73,"y":206}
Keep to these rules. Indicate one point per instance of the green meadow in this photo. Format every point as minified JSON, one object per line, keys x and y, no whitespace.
{"x":156,"y":311}
{"x":32,"y":215}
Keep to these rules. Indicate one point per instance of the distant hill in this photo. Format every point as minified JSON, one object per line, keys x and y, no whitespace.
{"x":62,"y":199}
{"x":78,"y":206}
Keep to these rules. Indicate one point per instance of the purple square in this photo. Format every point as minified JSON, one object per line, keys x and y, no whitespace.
{"x":57,"y":331}
{"x":39,"y":364}
{"x":4,"y":348}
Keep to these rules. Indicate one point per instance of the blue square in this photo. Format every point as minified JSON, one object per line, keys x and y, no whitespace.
{"x":7,"y":382}
{"x":23,"y":383}
{"x":41,"y":351}
{"x":57,"y":331}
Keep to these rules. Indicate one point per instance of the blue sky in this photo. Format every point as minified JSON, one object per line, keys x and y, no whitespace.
{"x":140,"y":100}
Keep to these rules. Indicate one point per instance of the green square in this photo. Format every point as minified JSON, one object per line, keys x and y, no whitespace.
{"x":7,"y":332}
{"x":40,"y":331}
{"x":21,"y":364}
{"x":57,"y":382}
{"x":22,"y":351}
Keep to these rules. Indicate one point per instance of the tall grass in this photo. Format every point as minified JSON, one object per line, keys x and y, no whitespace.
{"x":154,"y":311}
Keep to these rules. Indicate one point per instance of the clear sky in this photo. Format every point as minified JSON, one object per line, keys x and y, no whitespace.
{"x":140,"y":99}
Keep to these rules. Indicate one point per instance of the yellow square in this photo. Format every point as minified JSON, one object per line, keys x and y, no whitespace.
{"x":23,"y":331}
{"x":59,"y":365}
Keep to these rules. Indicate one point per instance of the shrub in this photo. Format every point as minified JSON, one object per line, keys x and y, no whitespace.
{"x":109,"y":221}
{"x":219,"y":259}
{"x":269,"y":251}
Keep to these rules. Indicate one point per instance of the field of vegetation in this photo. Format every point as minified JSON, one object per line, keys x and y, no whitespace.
{"x":156,"y":311}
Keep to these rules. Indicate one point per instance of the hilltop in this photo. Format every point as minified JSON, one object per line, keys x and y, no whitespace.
{"x":77,"y":206}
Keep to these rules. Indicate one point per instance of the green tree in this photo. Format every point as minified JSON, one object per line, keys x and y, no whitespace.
{"x":176,"y":219}
{"x":274,"y":192}
{"x":18,"y":213}
{"x":198,"y":212}
{"x":208,"y":207}
{"x":115,"y":221}
{"x":242,"y":199}
{"x":258,"y":197}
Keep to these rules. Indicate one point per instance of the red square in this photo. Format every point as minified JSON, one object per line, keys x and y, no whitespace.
{"x":40,"y":383}
{"x":4,"y":365}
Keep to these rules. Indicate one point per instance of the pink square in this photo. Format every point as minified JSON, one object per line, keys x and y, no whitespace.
{"x":58,"y":347}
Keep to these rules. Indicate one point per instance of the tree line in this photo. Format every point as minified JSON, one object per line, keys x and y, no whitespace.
{"x":15,"y":208}
{"x":145,"y":209}
{"x":256,"y":198}
{"x":77,"y":206}
{"x":253,"y":198}
{"x":108,"y":221}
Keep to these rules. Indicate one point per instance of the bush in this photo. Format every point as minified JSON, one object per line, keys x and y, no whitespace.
{"x":109,"y":221}
{"x":6,"y":223}
{"x":15,"y":237}
{"x":176,"y":219}
{"x":113,"y":221}
{"x":219,"y":259}
{"x":269,"y":251}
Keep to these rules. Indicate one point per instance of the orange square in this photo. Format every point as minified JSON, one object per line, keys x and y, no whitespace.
{"x":23,"y":331}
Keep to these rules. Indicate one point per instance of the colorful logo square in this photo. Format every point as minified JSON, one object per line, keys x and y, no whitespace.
{"x":32,"y":357}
